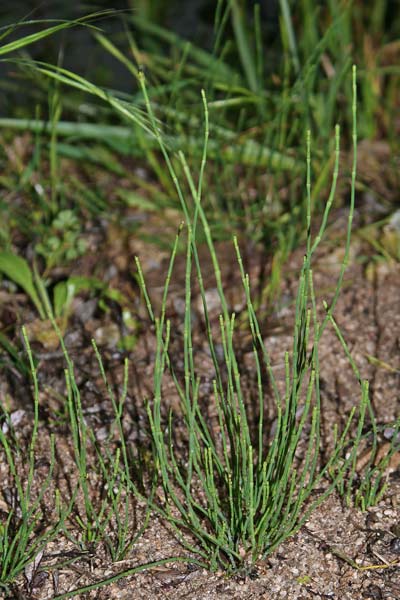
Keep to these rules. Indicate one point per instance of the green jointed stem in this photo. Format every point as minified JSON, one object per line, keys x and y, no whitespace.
{"x":252,"y":499}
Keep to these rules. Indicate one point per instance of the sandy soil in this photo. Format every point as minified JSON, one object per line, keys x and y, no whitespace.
{"x":340,"y":553}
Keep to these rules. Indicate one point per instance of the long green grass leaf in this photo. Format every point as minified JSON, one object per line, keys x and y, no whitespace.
{"x":26,"y":40}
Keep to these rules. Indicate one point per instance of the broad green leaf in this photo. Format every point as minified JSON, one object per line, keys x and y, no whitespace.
{"x":61,"y":298}
{"x":17,"y":269}
{"x":65,"y":291}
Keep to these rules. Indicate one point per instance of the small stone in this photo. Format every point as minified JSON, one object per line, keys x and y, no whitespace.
{"x":15,"y":419}
{"x":395,"y":545}
{"x":108,"y":335}
{"x":101,"y":434}
{"x":373,"y":592}
{"x":371,"y":520}
{"x":395,"y":529}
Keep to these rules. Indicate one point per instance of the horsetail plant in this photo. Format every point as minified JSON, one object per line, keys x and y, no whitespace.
{"x":106,"y":519}
{"x":366,"y":490}
{"x":240,"y":495}
{"x":24,"y":534}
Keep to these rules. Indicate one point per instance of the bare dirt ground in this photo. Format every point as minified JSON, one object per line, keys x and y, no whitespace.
{"x":340,"y":553}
